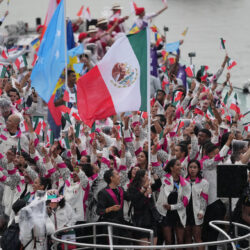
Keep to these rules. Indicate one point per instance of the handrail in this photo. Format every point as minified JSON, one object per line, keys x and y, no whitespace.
{"x":221,"y":242}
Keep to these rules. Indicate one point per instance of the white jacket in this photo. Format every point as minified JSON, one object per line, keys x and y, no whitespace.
{"x":63,"y":217}
{"x":199,"y":191}
{"x":209,"y":167}
{"x":75,"y":195}
{"x":184,"y":193}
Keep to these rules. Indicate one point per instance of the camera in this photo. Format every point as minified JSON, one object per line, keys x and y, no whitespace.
{"x":191,"y":54}
{"x":166,"y":28}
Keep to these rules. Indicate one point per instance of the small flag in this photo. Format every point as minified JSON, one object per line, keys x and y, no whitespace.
{"x":135,"y":6}
{"x":35,"y":44}
{"x":247,"y":128}
{"x":171,"y":47}
{"x":144,"y":115}
{"x":24,"y":126}
{"x":67,"y":118}
{"x":204,"y":75}
{"x":222,"y":43}
{"x":79,"y":13}
{"x":204,"y":70}
{"x":225,"y":99}
{"x":19,"y":101}
{"x":21,"y":62}
{"x":4,"y":73}
{"x":190,"y":71}
{"x":38,"y":128}
{"x":229,"y":118}
{"x":50,"y":138}
{"x":158,"y":39}
{"x":230,"y":63}
{"x":4,"y":54}
{"x":154,"y":29}
{"x":210,"y":114}
{"x":234,"y":104}
{"x":134,"y":29}
{"x":92,"y":132}
{"x":177,"y":96}
{"x":184,"y":32}
{"x":164,"y":54}
{"x":34,"y":60}
{"x":165,"y":82}
{"x":161,"y":134}
{"x":181,"y":124}
{"x":77,"y":129}
{"x":198,"y":111}
{"x":75,"y":115}
{"x":65,"y":142}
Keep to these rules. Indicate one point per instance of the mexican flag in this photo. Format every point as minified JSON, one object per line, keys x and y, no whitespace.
{"x":230,"y":63}
{"x":204,"y":70}
{"x":118,"y":83}
{"x":4,"y":54}
{"x":222,"y":43}
{"x":210,"y":114}
{"x":247,"y":128}
{"x":4,"y":72}
{"x":177,"y":95}
{"x":190,"y":71}
{"x":234,"y":104}
{"x":21,"y":62}
{"x":50,"y":138}
{"x":225,"y":99}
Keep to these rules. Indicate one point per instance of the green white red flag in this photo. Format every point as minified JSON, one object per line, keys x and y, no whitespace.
{"x":21,"y":62}
{"x":222,"y":43}
{"x":234,"y":104}
{"x":118,"y":83}
{"x":247,"y":128}
{"x":190,"y":71}
{"x":230,"y":63}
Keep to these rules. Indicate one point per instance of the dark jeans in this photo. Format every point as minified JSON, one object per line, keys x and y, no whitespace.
{"x":215,"y":211}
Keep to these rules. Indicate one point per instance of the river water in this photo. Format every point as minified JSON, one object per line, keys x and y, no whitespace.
{"x":208,"y":21}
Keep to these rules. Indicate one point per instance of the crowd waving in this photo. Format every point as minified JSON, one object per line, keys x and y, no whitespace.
{"x":53,"y":177}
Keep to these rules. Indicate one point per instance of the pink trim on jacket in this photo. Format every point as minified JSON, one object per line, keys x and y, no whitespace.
{"x":185,"y":201}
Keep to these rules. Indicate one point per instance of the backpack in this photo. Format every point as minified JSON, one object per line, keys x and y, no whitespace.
{"x":10,"y":239}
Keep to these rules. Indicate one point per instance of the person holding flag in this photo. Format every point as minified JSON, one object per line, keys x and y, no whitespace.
{"x":117,"y":16}
{"x":144,"y":19}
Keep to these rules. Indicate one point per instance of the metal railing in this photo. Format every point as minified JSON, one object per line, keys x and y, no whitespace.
{"x":110,"y":236}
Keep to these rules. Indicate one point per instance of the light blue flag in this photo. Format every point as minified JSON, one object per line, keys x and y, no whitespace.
{"x":76,"y":51}
{"x":51,"y":56}
{"x":171,"y":47}
{"x":78,"y":67}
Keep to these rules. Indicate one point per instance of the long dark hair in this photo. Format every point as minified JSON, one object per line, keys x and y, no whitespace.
{"x":146,"y":155}
{"x":170,"y":164}
{"x":137,"y":182}
{"x":199,"y":167}
{"x":45,"y":182}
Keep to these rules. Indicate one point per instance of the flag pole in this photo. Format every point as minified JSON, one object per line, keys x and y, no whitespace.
{"x":148,"y":99}
{"x":66,"y":49}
